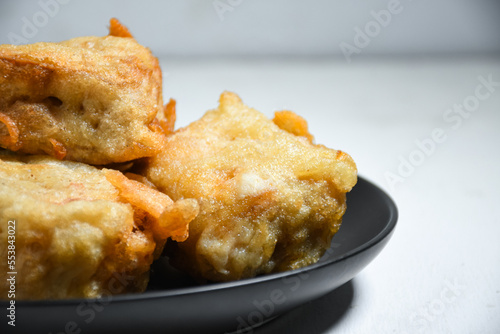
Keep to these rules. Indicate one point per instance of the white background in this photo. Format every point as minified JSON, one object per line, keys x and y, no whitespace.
{"x":441,"y":271}
{"x":261,"y":27}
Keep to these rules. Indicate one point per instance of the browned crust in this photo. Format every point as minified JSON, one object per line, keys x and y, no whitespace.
{"x":97,"y":96}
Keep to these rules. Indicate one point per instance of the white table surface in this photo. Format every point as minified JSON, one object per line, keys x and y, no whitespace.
{"x":440,"y":273}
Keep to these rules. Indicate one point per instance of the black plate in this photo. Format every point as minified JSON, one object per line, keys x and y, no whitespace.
{"x":180,"y":306}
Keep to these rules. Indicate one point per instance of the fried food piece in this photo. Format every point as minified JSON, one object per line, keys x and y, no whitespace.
{"x":88,"y":99}
{"x":81,"y":231}
{"x":269,"y":200}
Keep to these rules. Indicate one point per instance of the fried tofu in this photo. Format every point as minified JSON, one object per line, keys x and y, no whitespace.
{"x":96,"y":100}
{"x":270,"y":200}
{"x":80,"y":231}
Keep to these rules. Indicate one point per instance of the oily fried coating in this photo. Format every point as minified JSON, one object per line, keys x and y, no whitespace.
{"x":168,"y":121}
{"x":88,"y":99}
{"x":117,"y":29}
{"x":81,"y":231}
{"x":269,"y":200}
{"x":170,"y":218}
{"x":293,"y":123}
{"x":10,"y":139}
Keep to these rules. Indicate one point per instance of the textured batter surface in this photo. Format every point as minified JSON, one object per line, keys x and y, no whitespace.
{"x":80,"y":231}
{"x":269,"y":199}
{"x":88,"y":99}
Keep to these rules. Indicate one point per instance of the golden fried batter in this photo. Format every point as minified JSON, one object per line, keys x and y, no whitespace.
{"x":269,"y":200}
{"x":293,"y":123}
{"x":88,"y":99}
{"x":81,"y":231}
